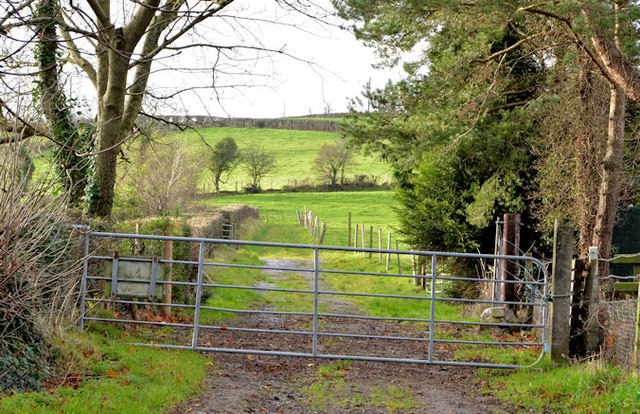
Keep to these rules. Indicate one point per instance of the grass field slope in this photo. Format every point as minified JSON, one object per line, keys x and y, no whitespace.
{"x":371,"y":208}
{"x":294,"y":150}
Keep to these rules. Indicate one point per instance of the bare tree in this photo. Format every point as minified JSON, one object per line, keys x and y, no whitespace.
{"x":333,"y":160}
{"x":258,"y":163}
{"x":163,"y":178}
{"x":116,"y":42}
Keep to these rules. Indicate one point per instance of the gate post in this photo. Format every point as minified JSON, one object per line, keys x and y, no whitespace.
{"x":509,"y":269}
{"x":561,"y":290}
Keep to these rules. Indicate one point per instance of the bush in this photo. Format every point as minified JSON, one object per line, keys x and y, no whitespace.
{"x":37,"y":272}
{"x":158,"y":181}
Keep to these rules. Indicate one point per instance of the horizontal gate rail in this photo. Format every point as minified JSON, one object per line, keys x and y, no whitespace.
{"x":535,"y":290}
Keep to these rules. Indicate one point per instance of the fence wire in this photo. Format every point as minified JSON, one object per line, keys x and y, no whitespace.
{"x":619,"y":331}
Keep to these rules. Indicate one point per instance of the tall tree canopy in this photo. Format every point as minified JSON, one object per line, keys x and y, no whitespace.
{"x":500,"y":71}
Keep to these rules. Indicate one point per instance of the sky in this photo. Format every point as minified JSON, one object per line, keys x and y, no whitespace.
{"x":324,"y":66}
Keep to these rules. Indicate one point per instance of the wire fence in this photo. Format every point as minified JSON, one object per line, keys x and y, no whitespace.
{"x":620,"y":319}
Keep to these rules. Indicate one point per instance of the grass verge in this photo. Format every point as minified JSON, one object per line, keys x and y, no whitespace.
{"x":592,"y":387}
{"x":106,"y":375}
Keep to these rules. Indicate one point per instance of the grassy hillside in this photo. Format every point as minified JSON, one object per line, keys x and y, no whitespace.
{"x":372,"y":208}
{"x":295,"y":152}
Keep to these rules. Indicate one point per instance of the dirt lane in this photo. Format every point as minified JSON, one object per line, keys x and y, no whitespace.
{"x":269,"y":384}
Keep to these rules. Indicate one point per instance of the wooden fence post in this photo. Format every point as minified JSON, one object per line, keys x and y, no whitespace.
{"x":370,"y":241}
{"x":591,"y":298}
{"x":167,"y":254}
{"x":323,"y":230}
{"x":561,"y":290}
{"x":349,"y":230}
{"x":510,"y":268}
{"x":399,"y":267}
{"x":380,"y":245}
{"x":364,"y":243}
{"x":355,"y":237}
{"x":388,"y":248}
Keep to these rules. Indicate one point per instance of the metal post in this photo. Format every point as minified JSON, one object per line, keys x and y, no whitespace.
{"x":83,"y":284}
{"x":196,"y":317}
{"x":432,"y":325}
{"x":316,"y":276}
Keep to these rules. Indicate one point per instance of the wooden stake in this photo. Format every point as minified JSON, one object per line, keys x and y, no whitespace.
{"x":399,"y":267}
{"x":388,"y":248}
{"x":349,"y":230}
{"x":355,"y":237}
{"x":370,"y":241}
{"x":591,"y":297}
{"x":323,"y":230}
{"x":380,"y":245}
{"x":364,"y":244}
{"x":167,"y":254}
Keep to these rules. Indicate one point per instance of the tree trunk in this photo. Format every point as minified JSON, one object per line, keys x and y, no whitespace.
{"x":110,"y":131}
{"x":53,"y":103}
{"x":610,"y":175}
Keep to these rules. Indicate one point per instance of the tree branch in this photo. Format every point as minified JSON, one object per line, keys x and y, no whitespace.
{"x":78,"y":59}
{"x":102,"y":17}
{"x":510,"y":48}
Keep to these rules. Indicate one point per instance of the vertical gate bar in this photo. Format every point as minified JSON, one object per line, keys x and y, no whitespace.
{"x":114,"y":274}
{"x":154,"y":278}
{"x":316,"y":275}
{"x":432,"y":325}
{"x":545,"y":311}
{"x":196,"y":316}
{"x":83,"y":283}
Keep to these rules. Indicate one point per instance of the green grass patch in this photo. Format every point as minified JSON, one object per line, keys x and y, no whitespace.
{"x":119,"y":378}
{"x":332,"y":389}
{"x":520,"y":355}
{"x":388,"y":285}
{"x":231,"y":298}
{"x":593,"y":387}
{"x":294,"y":150}
{"x":371,"y":208}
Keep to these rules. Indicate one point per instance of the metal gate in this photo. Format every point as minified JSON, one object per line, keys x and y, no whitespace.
{"x":331,"y":311}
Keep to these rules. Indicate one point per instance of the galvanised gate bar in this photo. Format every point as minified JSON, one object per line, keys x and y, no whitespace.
{"x":325,"y":322}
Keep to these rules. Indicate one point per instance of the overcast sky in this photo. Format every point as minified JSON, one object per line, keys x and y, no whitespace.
{"x":327,"y":67}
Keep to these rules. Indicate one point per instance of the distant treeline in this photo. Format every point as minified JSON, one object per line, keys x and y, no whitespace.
{"x":307,"y":123}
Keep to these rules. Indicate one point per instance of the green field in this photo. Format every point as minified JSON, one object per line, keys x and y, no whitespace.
{"x":295,"y":152}
{"x":371,"y":208}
